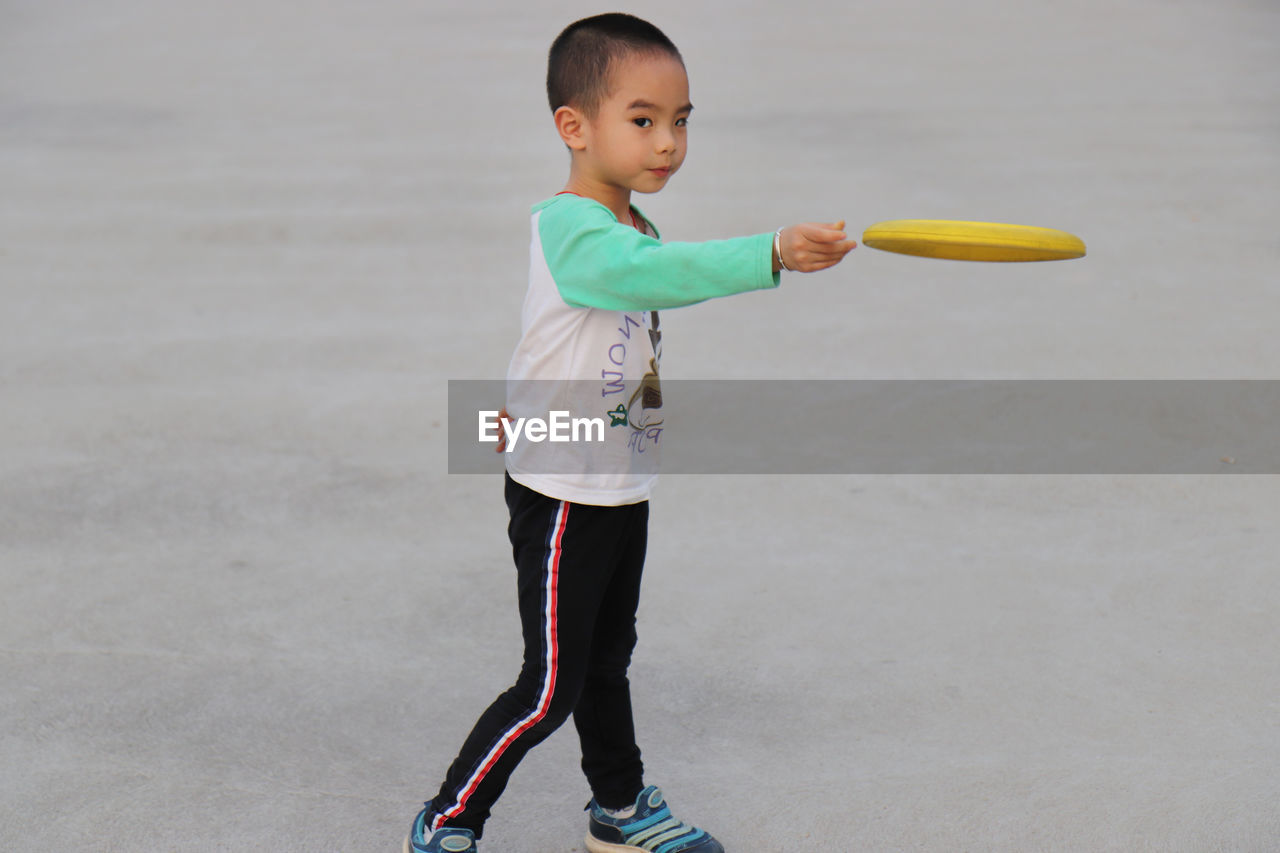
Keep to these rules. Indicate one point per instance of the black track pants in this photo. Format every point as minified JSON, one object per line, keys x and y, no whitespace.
{"x":578,"y":569}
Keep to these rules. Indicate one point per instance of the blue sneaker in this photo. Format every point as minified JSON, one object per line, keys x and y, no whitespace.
{"x":446,"y":840}
{"x":651,"y":829}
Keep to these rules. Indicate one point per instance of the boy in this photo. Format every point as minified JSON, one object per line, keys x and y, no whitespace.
{"x":620,"y":98}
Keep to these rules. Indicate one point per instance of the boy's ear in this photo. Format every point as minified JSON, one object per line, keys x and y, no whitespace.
{"x":572,"y":127}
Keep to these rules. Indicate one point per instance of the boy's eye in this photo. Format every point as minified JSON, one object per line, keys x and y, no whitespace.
{"x":642,"y":122}
{"x":682,"y":122}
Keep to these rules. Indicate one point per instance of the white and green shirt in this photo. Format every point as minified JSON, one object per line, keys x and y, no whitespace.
{"x":590,"y":342}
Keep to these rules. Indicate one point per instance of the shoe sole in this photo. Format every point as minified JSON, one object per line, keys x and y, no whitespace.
{"x":408,"y":843}
{"x":595,"y":845}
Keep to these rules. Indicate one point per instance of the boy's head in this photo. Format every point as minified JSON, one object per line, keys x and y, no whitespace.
{"x":620,"y":97}
{"x":585,"y":55}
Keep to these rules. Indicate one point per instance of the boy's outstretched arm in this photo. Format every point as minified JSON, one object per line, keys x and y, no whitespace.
{"x":598,"y":262}
{"x":812,"y":246}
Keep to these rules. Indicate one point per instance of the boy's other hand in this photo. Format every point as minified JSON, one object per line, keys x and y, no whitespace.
{"x":813,"y":246}
{"x":503,"y":418}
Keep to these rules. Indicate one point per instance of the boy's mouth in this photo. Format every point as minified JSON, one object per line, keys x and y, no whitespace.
{"x":663,"y":172}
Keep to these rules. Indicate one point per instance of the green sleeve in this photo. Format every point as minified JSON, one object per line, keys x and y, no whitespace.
{"x":597,"y":262}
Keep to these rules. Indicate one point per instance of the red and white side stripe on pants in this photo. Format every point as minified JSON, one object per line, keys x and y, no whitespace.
{"x":551,"y":660}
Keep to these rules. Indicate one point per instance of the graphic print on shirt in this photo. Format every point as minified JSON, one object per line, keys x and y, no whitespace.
{"x":641,"y":411}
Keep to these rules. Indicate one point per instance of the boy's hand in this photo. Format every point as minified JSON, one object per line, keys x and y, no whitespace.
{"x":503,"y":418}
{"x":812,"y":246}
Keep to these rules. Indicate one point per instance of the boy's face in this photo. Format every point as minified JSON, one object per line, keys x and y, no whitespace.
{"x":638,"y":137}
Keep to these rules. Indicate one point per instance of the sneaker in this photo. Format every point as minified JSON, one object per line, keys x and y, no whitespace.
{"x":651,"y":829}
{"x":445,"y":840}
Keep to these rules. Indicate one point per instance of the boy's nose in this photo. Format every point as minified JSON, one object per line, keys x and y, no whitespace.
{"x":665,"y":143}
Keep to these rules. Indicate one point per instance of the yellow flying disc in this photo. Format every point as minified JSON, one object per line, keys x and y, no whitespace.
{"x":973,"y":241}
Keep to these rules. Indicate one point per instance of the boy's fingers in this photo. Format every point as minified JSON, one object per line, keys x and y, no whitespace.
{"x":843,"y":244}
{"x":837,"y":249}
{"x":825,"y":235}
{"x":818,"y":245}
{"x":828,"y":257}
{"x":820,"y":232}
{"x":502,"y":433}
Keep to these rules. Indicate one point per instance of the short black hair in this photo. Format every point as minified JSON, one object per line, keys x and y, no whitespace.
{"x":583,"y":54}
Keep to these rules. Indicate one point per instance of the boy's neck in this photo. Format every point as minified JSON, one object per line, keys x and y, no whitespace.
{"x":617,"y":199}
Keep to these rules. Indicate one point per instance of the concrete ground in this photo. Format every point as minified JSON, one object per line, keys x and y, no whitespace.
{"x":243,"y":245}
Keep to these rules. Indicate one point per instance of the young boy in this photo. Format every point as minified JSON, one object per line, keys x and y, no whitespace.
{"x":598,"y":275}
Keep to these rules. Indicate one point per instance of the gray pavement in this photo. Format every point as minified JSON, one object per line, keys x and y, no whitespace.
{"x":243,"y":246}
